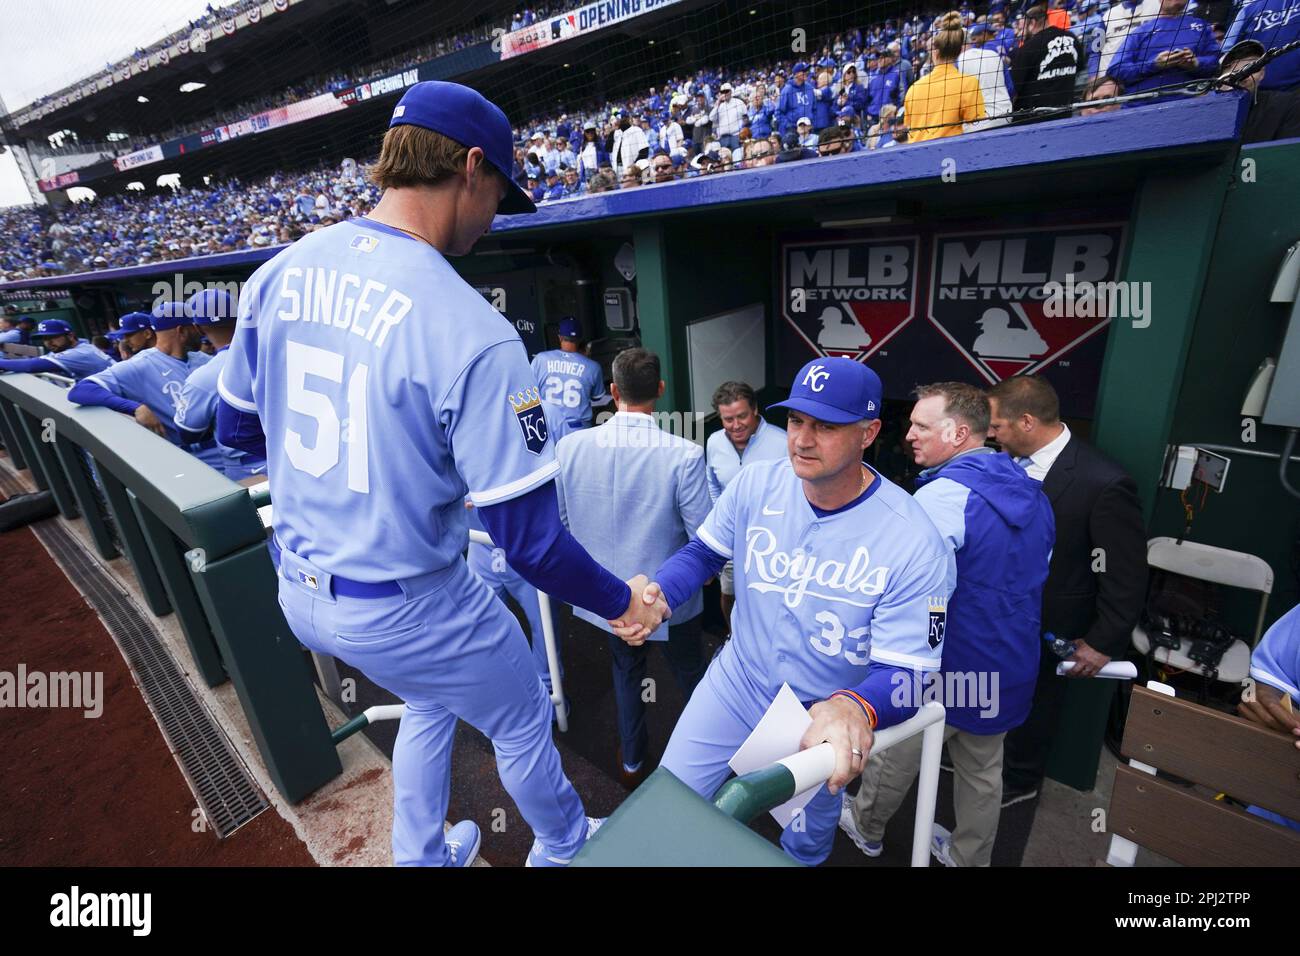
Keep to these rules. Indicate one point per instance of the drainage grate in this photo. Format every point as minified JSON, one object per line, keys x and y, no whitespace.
{"x":225,"y":792}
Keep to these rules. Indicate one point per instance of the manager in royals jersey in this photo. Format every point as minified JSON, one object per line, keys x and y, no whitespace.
{"x":382,"y":389}
{"x":842,"y":585}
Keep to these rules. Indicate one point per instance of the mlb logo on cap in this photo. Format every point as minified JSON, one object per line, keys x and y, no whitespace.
{"x":836,"y":390}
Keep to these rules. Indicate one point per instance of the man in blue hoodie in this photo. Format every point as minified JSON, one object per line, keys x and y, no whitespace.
{"x":999,"y":526}
{"x":1168,"y":50}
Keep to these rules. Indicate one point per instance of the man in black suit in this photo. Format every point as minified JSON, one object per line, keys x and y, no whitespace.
{"x":1096,"y":584}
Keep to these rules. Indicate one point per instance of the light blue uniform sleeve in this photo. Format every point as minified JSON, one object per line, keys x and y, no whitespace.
{"x":911,"y":616}
{"x":719,"y":528}
{"x":1276,"y":661}
{"x":11,"y":337}
{"x":197,"y":408}
{"x":116,"y":378}
{"x":496,"y":427}
{"x":80,"y":362}
{"x":235,"y":385}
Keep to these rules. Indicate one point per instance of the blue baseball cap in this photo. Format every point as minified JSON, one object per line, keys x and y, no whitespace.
{"x":210,"y":307}
{"x":131,"y":323}
{"x":51,"y":327}
{"x":469,"y":118}
{"x":978,"y":28}
{"x":836,"y":390}
{"x":569,"y":328}
{"x":169,"y":315}
{"x":847,"y":111}
{"x":800,"y":67}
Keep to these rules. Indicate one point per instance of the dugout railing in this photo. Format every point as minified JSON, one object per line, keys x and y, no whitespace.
{"x":198,"y":549}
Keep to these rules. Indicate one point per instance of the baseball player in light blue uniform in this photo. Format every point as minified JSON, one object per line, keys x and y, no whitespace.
{"x":213,"y":311}
{"x":148,"y":385}
{"x":383,"y":390}
{"x":65,"y":355}
{"x":570,"y":381}
{"x":842,"y":584}
{"x":10,"y":334}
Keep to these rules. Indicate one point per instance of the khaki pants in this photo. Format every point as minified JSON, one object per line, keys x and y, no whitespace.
{"x":977,"y":791}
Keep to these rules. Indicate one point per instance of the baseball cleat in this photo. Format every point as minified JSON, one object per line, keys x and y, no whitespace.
{"x":849,"y":824}
{"x":462,"y":843}
{"x":538,"y":856}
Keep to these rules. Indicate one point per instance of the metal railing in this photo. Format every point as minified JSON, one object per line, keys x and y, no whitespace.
{"x":747,"y":796}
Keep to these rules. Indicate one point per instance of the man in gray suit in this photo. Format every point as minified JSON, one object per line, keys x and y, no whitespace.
{"x":634,"y":494}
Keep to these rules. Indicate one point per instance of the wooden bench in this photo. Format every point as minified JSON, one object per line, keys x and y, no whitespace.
{"x":1223,"y":754}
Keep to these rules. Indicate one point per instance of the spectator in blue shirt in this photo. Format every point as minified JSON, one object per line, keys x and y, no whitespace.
{"x":1168,"y":50}
{"x":823,"y":114}
{"x":1273,"y":23}
{"x":886,"y":86}
{"x":855,"y":91}
{"x":796,"y":99}
{"x":760,"y":115}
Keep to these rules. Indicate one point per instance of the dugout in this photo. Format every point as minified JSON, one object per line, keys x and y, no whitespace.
{"x":941,"y":253}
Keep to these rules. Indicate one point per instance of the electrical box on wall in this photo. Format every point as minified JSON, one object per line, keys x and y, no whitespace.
{"x":619,"y":313}
{"x":1185,"y":464}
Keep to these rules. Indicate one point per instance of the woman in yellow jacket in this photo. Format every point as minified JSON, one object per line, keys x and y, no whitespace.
{"x":941,"y":101}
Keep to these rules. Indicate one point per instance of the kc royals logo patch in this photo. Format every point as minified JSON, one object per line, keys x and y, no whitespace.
{"x":527,"y":406}
{"x":938,"y":621}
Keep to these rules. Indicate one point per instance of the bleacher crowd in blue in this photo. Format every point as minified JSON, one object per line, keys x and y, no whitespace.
{"x":891,"y":83}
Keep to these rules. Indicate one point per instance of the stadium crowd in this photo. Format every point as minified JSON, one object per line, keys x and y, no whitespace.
{"x":892,"y":83}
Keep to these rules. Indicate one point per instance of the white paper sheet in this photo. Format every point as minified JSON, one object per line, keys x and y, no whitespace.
{"x":777,"y":735}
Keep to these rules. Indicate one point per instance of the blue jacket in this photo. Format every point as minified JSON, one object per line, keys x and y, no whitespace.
{"x":885,"y":86}
{"x":760,"y":121}
{"x":1272,"y":23}
{"x":1001,"y":528}
{"x":857,"y":97}
{"x":1135,"y":64}
{"x":795,"y":101}
{"x":823,"y":114}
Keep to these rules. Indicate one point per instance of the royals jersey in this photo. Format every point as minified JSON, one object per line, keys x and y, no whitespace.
{"x":196,"y":411}
{"x":387,"y":389}
{"x":155,"y":379}
{"x":818,"y":599}
{"x":1276,"y":661}
{"x":80,"y":361}
{"x":570,"y":382}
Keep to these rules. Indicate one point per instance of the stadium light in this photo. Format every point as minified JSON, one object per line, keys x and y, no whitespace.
{"x":192,"y":86}
{"x":869,"y":214}
{"x":142,"y":99}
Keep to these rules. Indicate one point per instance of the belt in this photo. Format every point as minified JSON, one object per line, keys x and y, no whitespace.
{"x":346,"y":587}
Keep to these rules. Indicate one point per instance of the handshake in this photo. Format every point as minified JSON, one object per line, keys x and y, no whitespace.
{"x":646,"y":611}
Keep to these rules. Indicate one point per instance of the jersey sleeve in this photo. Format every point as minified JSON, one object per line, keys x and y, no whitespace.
{"x":235,"y":384}
{"x":908,"y":623}
{"x":77,"y":363}
{"x":719,"y":528}
{"x":196,"y":410}
{"x":496,"y":427}
{"x":1276,"y":661}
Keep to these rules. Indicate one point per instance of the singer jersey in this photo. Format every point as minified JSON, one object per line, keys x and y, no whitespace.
{"x":384,"y":401}
{"x":571,"y":383}
{"x":818,"y":599}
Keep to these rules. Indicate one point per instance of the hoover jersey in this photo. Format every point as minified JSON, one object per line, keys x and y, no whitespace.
{"x":818,"y":599}
{"x":382,"y":400}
